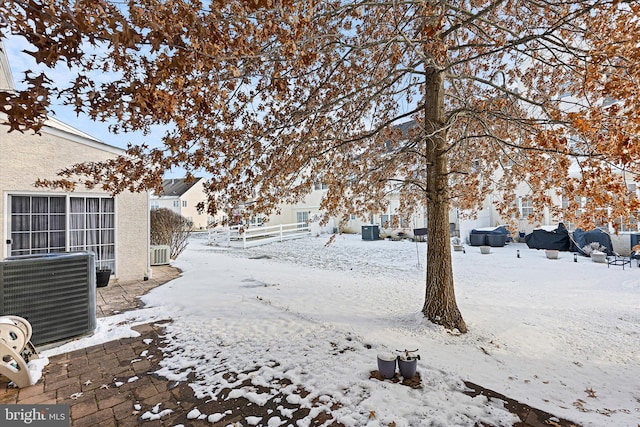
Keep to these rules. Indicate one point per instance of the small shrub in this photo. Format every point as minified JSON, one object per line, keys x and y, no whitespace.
{"x":169,"y":228}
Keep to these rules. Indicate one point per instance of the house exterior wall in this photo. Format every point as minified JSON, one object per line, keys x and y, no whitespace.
{"x":166,"y":203}
{"x":186,"y":205}
{"x":488,"y":216}
{"x":191,"y":198}
{"x":352,"y":224}
{"x":288,"y":213}
{"x":388,"y":220}
{"x":27,"y":157}
{"x":460,"y":224}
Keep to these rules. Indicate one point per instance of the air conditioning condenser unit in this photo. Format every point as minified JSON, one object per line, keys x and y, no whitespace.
{"x":160,"y":254}
{"x":55,"y":292}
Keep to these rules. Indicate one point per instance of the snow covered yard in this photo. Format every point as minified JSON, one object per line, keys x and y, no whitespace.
{"x":557,"y":335}
{"x":554,"y":334}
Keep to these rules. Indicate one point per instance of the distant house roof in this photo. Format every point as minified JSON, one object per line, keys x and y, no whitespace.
{"x":406,"y":126}
{"x":176,"y":187}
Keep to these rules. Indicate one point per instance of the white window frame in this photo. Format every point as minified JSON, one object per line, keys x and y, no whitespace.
{"x":525,"y":207}
{"x":29,"y":231}
{"x":302,"y":217}
{"x":105,"y":232}
{"x":320,"y":186}
{"x":634,"y":219}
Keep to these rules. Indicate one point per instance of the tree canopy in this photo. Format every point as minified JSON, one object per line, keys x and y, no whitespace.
{"x":275,"y":95}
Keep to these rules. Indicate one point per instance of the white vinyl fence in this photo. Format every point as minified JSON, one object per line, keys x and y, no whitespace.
{"x":240,"y":237}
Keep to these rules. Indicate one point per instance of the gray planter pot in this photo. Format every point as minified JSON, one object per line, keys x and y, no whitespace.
{"x":387,"y":365}
{"x":408,"y":364}
{"x":407,"y":367}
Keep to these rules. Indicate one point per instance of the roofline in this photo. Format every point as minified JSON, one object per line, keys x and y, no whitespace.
{"x":57,"y":128}
{"x":156,"y":197}
{"x":4,"y":64}
{"x":59,"y":124}
{"x":93,"y":143}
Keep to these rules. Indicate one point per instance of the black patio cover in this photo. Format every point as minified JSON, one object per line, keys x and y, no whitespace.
{"x":557,"y":239}
{"x":582,"y":238}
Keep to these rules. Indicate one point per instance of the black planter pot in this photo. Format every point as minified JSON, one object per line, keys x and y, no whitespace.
{"x":102,"y":278}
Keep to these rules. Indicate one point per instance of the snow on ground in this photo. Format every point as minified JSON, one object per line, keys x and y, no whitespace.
{"x":554,"y":334}
{"x":557,"y":335}
{"x":109,"y":329}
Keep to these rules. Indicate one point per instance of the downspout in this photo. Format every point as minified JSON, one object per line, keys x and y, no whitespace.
{"x":490,"y":210}
{"x":149,"y":271}
{"x":6,"y":248}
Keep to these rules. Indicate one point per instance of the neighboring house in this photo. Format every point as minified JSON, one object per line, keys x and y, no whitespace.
{"x":307,"y":211}
{"x":391,"y":221}
{"x":39,"y":220}
{"x":489,"y":216}
{"x":183,"y":198}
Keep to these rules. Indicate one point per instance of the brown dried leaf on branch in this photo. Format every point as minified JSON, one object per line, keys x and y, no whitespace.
{"x":330,"y":241}
{"x":268,"y":98}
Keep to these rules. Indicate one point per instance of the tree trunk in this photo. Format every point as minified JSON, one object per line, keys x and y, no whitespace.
{"x":440,"y":305}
